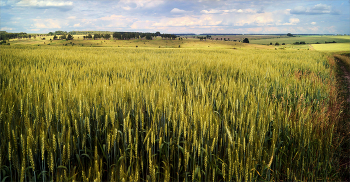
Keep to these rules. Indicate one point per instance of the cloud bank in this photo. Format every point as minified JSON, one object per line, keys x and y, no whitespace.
{"x":176,"y":16}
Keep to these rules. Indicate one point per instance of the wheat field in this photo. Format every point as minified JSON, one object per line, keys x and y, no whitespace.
{"x":106,"y":114}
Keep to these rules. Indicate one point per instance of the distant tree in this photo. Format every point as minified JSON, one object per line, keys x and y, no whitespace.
{"x":59,"y":32}
{"x":289,"y":35}
{"x":69,"y":37}
{"x":55,"y":37}
{"x":63,"y":36}
{"x":157,"y":33}
{"x":30,"y":36}
{"x":107,"y":36}
{"x":283,"y":43}
{"x":277,"y":44}
{"x":149,"y":37}
{"x":89,"y":36}
{"x":302,"y":42}
{"x":117,"y":35}
{"x":50,"y":33}
{"x":97,"y":36}
{"x":245,"y":40}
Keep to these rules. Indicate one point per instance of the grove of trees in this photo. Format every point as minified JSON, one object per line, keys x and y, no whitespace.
{"x":6,"y":36}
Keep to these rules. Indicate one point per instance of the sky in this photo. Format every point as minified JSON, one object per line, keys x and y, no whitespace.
{"x":177,"y":16}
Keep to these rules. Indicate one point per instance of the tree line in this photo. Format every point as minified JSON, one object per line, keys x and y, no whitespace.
{"x":7,"y":36}
{"x":68,"y":36}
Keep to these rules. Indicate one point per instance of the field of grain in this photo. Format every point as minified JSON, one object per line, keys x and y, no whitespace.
{"x":150,"y":114}
{"x":338,"y":47}
{"x":306,"y":39}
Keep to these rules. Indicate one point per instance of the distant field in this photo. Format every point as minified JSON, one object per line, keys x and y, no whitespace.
{"x":140,"y":43}
{"x":332,"y":47}
{"x":307,"y":39}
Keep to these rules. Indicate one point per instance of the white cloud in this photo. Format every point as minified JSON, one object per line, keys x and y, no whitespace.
{"x":3,"y":3}
{"x":118,"y":20}
{"x":287,"y":11}
{"x":292,"y":21}
{"x":46,"y":23}
{"x":178,"y":11}
{"x":204,"y":20}
{"x":313,"y":23}
{"x":112,"y":17}
{"x":72,"y":17}
{"x":142,"y":25}
{"x":316,"y":9}
{"x":331,"y":29}
{"x":212,"y":11}
{"x":313,"y":28}
{"x":137,"y":4}
{"x":127,"y":8}
{"x":77,"y":25}
{"x":216,"y":11}
{"x":6,"y":29}
{"x":47,"y":3}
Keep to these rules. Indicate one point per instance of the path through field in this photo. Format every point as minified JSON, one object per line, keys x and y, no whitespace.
{"x":347,"y":78}
{"x":346,"y":75}
{"x":344,"y":129}
{"x":311,"y":48}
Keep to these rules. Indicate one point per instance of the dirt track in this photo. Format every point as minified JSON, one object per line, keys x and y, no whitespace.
{"x":347,"y":78}
{"x":343,"y":130}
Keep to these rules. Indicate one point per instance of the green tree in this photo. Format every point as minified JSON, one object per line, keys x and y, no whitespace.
{"x":69,"y":37}
{"x":117,"y":35}
{"x":63,"y":36}
{"x":55,"y":37}
{"x":245,"y":40}
{"x":107,"y":36}
{"x":149,"y":37}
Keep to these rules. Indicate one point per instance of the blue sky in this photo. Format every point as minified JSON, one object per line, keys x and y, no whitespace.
{"x":177,"y":16}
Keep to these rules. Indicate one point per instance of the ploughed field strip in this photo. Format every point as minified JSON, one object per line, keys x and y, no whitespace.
{"x":133,"y":114}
